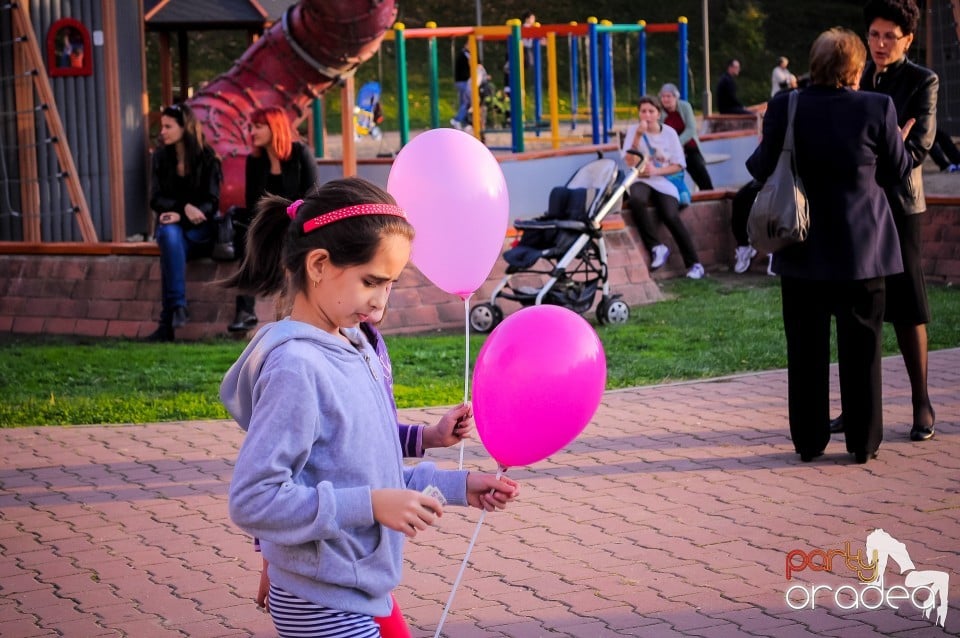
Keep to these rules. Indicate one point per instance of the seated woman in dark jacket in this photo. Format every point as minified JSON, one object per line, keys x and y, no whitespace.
{"x":848,"y":147}
{"x":278,"y":165}
{"x":185,"y":195}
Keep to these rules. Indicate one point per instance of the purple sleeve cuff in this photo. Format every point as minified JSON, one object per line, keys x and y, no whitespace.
{"x":411,"y":439}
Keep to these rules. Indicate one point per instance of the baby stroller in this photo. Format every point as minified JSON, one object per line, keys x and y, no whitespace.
{"x":566,"y":246}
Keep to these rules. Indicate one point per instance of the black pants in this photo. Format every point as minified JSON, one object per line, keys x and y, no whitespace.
{"x":858,"y":308}
{"x":742,"y":202}
{"x":663,"y":208}
{"x":242,"y":218}
{"x":697,"y":167}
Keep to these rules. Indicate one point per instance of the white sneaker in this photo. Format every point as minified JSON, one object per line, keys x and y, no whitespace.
{"x":455,"y":123}
{"x":745,"y":255}
{"x":696,"y":272}
{"x":658,"y":256}
{"x":770,"y":266}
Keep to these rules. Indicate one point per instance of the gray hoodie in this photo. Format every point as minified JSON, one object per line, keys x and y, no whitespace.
{"x":321,"y":435}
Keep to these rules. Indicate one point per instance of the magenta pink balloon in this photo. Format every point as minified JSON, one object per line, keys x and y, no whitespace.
{"x":538,"y":381}
{"x":455,"y":195}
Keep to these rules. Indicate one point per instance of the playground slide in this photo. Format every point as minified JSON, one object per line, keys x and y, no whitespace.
{"x":296,"y":60}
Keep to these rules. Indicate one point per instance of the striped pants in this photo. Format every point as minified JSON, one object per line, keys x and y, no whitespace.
{"x":298,"y":618}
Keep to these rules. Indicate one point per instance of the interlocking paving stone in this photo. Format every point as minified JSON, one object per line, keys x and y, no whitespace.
{"x":671,"y":515}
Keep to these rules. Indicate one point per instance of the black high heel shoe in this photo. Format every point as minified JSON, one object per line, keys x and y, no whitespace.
{"x":924,"y":433}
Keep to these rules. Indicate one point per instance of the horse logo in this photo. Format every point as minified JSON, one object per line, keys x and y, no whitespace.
{"x":884,"y":547}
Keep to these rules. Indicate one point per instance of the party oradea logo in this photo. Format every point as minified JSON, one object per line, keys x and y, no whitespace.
{"x":924,"y":590}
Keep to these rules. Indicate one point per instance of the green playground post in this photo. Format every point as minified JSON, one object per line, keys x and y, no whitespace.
{"x":403,"y":106}
{"x":516,"y":85}
{"x":317,"y":111}
{"x":434,"y":79}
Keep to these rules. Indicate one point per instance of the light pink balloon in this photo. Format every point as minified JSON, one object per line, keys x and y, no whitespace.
{"x":538,"y":381}
{"x":455,"y":195}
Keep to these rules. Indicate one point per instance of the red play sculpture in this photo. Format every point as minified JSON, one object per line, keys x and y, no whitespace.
{"x":297,"y":59}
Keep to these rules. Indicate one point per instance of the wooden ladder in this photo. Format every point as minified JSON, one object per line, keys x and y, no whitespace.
{"x":28,"y":63}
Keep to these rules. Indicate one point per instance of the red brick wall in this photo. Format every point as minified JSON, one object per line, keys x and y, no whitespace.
{"x":62,"y":289}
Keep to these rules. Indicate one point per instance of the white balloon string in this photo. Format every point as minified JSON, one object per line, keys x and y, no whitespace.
{"x":466,"y":362}
{"x":463,"y":565}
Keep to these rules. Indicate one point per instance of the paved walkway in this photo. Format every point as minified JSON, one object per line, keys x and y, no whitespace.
{"x":674,"y":514}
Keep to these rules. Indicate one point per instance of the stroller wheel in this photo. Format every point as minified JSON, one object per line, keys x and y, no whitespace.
{"x":485,"y":317}
{"x":615,"y":311}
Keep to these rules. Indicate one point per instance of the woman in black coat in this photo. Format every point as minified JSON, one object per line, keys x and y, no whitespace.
{"x":185,"y":195}
{"x":848,"y":146}
{"x":891,"y":25}
{"x":278,"y":165}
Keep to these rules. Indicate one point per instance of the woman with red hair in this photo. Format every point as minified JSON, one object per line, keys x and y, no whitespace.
{"x":277,"y":165}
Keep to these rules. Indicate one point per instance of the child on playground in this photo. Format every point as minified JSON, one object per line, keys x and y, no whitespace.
{"x":320,"y":478}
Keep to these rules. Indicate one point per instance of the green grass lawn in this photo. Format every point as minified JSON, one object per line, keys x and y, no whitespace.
{"x":708,"y":328}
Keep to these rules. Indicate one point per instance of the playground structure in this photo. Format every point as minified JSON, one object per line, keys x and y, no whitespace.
{"x":314,"y":45}
{"x":73,"y":138}
{"x":595,"y":38}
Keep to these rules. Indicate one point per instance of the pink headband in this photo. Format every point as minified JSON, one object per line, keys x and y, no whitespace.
{"x":344,"y":213}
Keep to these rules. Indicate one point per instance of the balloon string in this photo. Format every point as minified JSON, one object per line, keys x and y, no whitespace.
{"x":466,"y":362}
{"x":463,"y":565}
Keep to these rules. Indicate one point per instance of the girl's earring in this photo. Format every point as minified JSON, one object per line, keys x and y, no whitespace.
{"x":316,"y":282}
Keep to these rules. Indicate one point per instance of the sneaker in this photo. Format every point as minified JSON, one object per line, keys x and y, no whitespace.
{"x":770,"y":265}
{"x":745,"y":255}
{"x":455,"y":123}
{"x":658,"y":256}
{"x":696,"y":272}
{"x":953,"y":168}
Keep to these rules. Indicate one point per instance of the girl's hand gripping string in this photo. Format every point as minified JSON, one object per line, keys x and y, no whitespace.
{"x":489,"y":492}
{"x":454,"y":426}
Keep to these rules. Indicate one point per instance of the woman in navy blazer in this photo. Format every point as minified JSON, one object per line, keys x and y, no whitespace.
{"x":848,"y":147}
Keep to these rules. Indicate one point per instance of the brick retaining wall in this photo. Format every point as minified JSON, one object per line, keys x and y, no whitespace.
{"x":64,"y":289}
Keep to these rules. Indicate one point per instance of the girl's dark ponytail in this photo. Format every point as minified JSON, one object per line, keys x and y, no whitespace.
{"x":262,"y":270}
{"x":277,"y":246}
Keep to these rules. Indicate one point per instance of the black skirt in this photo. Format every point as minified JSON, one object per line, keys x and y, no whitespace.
{"x":907,"y":291}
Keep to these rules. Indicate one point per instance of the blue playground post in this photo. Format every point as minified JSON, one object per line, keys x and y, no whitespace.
{"x":594,"y":77}
{"x":537,"y":86}
{"x":682,"y":35}
{"x":642,"y":58}
{"x":609,"y":100}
